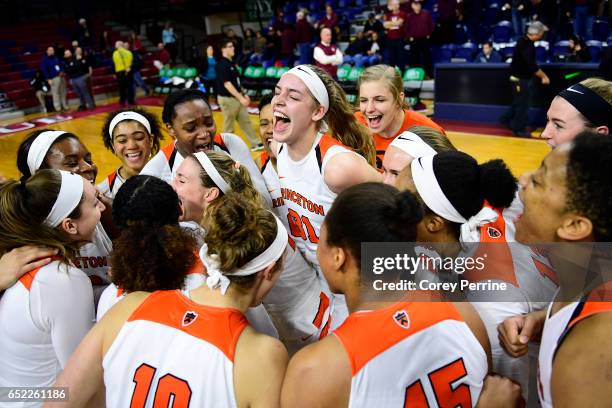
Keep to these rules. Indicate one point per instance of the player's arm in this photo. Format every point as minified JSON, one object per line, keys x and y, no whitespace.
{"x":319,"y":375}
{"x":259,"y":356}
{"x":476,"y":325}
{"x":347,"y":169}
{"x":516,"y":332}
{"x":582,"y":369}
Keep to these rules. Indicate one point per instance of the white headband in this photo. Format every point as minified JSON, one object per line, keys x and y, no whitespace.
{"x":412,"y":145}
{"x":432,"y":195}
{"x":314,"y":84}
{"x":212,"y":171}
{"x":39,"y":148}
{"x":217,"y":280}
{"x":69,"y":197}
{"x":128,"y":115}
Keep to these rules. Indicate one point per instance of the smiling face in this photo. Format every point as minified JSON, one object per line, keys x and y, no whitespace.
{"x":193,"y":127}
{"x":378,"y":106}
{"x":564,"y":123}
{"x":132,"y":144}
{"x":294,"y":109}
{"x":193,"y":196}
{"x":91,"y":208}
{"x":394,"y":162}
{"x":266,"y":124}
{"x":71,"y":155}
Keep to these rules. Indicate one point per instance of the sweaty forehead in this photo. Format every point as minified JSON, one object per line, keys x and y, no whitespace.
{"x":191,"y":110}
{"x":69,"y":146}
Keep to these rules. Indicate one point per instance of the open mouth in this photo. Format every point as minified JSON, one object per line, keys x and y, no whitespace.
{"x":133,"y":157}
{"x":281,"y":122}
{"x":374,"y":120}
{"x":202,"y":147}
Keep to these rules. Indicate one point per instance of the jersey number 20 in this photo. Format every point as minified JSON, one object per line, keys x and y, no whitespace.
{"x":167,"y":386}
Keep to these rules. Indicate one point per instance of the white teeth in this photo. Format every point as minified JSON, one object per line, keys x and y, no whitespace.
{"x":131,"y":155}
{"x":372,"y":117}
{"x":280,"y":115}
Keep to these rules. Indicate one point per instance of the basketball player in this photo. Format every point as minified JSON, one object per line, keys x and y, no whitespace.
{"x":299,"y":307}
{"x":193,"y":348}
{"x":189,"y":120}
{"x":133,"y":135}
{"x":18,"y":261}
{"x":453,"y":188}
{"x":382,"y":107}
{"x":586,"y":106}
{"x":146,"y":210}
{"x":567,"y":200}
{"x":410,"y":353}
{"x":56,"y":149}
{"x":49,"y":310}
{"x":416,"y":142}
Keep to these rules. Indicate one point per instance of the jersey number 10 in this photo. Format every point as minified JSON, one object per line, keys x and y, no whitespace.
{"x":167,"y":386}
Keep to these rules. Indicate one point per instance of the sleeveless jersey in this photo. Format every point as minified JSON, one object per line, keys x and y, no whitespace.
{"x":111,"y":184}
{"x":43,"y":318}
{"x":94,"y":258}
{"x":413,"y":354}
{"x":270,"y":177}
{"x":558,"y":326}
{"x":112,"y":294}
{"x":306,"y":196}
{"x":190,"y":362}
{"x":411,"y":119}
{"x":165,"y":163}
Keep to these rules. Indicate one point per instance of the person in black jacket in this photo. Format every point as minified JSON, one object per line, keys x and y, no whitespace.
{"x":78,"y":72}
{"x":41,"y":88}
{"x":523,"y":69}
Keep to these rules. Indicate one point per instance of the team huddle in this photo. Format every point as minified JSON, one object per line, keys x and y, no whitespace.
{"x":194,"y":276}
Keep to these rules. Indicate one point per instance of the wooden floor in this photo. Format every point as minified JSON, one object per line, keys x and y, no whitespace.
{"x":521,"y":154}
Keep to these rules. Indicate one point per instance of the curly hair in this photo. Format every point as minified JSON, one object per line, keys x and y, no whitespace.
{"x":589,"y":184}
{"x":156,"y":132}
{"x":152,"y":252}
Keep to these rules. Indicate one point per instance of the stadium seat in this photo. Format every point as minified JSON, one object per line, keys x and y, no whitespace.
{"x":413,"y":82}
{"x":541,"y":54}
{"x":343,"y":73}
{"x":465,"y":51}
{"x":600,"y":30}
{"x":253,"y":78}
{"x":460,"y":36}
{"x":595,"y":49}
{"x":502,"y":32}
{"x":492,"y":14}
{"x":560,"y":49}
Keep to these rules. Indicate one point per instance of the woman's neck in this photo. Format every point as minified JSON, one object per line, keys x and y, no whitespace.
{"x":395,"y":125}
{"x":126,"y":172}
{"x":300,"y":147}
{"x":233,"y":298}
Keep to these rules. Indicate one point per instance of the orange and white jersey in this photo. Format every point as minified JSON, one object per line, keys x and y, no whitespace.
{"x":43,"y":318}
{"x":195,"y":278}
{"x":556,"y":329}
{"x":306,"y":196}
{"x":165,"y":163}
{"x":94,"y":259}
{"x":413,"y":354}
{"x":273,"y":185}
{"x":111,"y":184}
{"x":299,"y":306}
{"x":191,"y":361}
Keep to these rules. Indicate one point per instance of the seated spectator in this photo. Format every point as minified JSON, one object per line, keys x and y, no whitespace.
{"x":373,"y":25}
{"x":357,"y":51}
{"x":327,"y":55}
{"x":579,"y":52}
{"x":488,"y":54}
{"x":162,"y":55}
{"x":41,"y":88}
{"x":376,"y":49}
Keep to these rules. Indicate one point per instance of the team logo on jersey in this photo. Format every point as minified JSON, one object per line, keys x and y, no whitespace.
{"x":401,"y":318}
{"x":189,"y":317}
{"x":493,"y":232}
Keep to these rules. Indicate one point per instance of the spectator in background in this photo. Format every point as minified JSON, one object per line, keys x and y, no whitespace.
{"x":78,"y":72}
{"x":169,"y":41}
{"x":330,"y":20}
{"x":232,"y":101}
{"x":419,"y":27}
{"x":518,"y":9}
{"x":105,"y":44}
{"x":54,"y":74}
{"x":327,"y":55}
{"x":122,"y":59}
{"x":584,"y":14}
{"x":288,"y":45}
{"x":162,"y":55}
{"x":230,"y":34}
{"x":135,"y":42}
{"x":279,"y":21}
{"x":137,"y":65}
{"x":523,"y":69}
{"x":41,"y":89}
{"x":248,"y":46}
{"x":605,"y":66}
{"x":303,"y":36}
{"x":579,"y":52}
{"x":376,"y":49}
{"x":208,"y":70}
{"x":488,"y":54}
{"x":357,"y":51}
{"x":84,"y":34}
{"x":273,"y":44}
{"x":373,"y":25}
{"x":85,"y":62}
{"x":260,"y":47}
{"x":447,"y":19}
{"x":394,"y":23}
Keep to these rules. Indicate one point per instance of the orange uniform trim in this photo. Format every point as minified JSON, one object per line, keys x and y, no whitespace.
{"x":168,"y":149}
{"x":365,"y":335}
{"x":263,"y":160}
{"x":327,"y":142}
{"x":220,"y":327}
{"x":218,"y":141}
{"x":111,"y":179}
{"x":198,"y":265}
{"x":28,"y":278}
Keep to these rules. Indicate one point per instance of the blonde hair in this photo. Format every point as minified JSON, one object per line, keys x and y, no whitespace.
{"x":238,"y":179}
{"x":24,"y":206}
{"x":390,"y":77}
{"x":601,"y":87}
{"x":341,"y":120}
{"x":437,"y":140}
